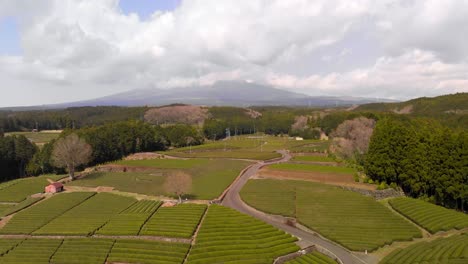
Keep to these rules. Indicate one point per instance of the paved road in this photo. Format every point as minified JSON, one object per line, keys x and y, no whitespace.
{"x":232,"y":199}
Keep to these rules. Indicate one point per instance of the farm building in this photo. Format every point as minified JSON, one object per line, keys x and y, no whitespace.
{"x":54,"y":187}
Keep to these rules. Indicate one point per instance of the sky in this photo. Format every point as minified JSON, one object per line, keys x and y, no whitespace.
{"x":54,"y":51}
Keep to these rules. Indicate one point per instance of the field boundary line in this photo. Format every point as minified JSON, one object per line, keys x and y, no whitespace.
{"x":149,"y":217}
{"x":195,"y":234}
{"x":420,"y":227}
{"x":53,"y":254}
{"x":110,"y":250}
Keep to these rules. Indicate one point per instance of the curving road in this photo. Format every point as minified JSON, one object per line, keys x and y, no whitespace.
{"x":232,"y":199}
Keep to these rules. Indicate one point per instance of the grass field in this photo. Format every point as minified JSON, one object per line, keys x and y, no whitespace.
{"x":310,"y":146}
{"x":177,"y":221}
{"x":209,"y":177}
{"x":452,"y":250}
{"x":37,"y":137}
{"x":83,"y":251}
{"x":227,"y":236}
{"x":313,"y":158}
{"x":18,"y":190}
{"x":226,"y":155}
{"x":313,"y":257}
{"x":353,"y":220}
{"x":130,"y":221}
{"x":147,"y":252}
{"x":431,"y":217}
{"x":88,"y":216}
{"x":34,"y":217}
{"x":10,"y":209}
{"x":312,"y":168}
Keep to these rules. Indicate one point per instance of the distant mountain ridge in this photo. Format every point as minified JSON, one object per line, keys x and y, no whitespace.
{"x":222,"y":93}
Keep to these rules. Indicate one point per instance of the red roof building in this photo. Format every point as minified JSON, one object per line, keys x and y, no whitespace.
{"x":54,"y":187}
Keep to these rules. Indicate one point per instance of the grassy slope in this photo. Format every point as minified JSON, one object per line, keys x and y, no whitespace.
{"x":209,"y":177}
{"x":353,"y":220}
{"x":38,"y":137}
{"x":312,"y":168}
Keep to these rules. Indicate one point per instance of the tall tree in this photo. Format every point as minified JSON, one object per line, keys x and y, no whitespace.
{"x":178,"y":183}
{"x":70,"y":152}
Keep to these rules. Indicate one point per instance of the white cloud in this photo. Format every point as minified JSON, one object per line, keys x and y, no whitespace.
{"x":95,"y":48}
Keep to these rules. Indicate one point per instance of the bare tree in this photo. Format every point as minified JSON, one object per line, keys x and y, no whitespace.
{"x":178,"y":183}
{"x":182,"y":114}
{"x":70,"y":152}
{"x":353,"y":137}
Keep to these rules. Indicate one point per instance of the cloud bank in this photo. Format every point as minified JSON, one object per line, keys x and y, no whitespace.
{"x":79,"y":49}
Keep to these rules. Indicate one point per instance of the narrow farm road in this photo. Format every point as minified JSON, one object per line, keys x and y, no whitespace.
{"x":232,"y":199}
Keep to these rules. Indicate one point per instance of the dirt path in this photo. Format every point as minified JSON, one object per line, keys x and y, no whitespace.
{"x":232,"y":199}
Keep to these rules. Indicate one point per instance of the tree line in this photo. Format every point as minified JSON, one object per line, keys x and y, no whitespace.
{"x":426,"y":159}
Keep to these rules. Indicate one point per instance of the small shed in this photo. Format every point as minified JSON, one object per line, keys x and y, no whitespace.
{"x":54,"y":187}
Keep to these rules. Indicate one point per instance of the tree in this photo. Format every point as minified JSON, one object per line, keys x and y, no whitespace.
{"x":70,"y":152}
{"x":24,"y":151}
{"x":178,"y":183}
{"x":352,"y":137}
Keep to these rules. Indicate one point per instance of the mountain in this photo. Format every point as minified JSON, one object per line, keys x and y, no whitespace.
{"x":222,"y":93}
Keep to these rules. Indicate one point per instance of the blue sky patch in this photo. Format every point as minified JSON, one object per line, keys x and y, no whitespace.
{"x":145,"y":8}
{"x":9,"y":37}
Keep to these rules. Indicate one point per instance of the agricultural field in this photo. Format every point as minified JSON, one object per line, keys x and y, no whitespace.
{"x":310,"y":146}
{"x":209,"y":177}
{"x":355,"y":221}
{"x":38,"y":138}
{"x":88,"y":216}
{"x":34,"y":217}
{"x":7,"y":244}
{"x":6,"y":210}
{"x":147,"y":252}
{"x":313,"y":257}
{"x":32,"y":251}
{"x":130,"y":221}
{"x":251,"y":155}
{"x":313,"y":158}
{"x":431,"y":217}
{"x":20,"y":189}
{"x":453,"y":249}
{"x":227,"y":236}
{"x":176,"y":221}
{"x":312,"y":168}
{"x":83,"y":251}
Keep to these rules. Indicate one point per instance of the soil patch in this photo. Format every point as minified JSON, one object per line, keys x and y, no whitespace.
{"x":337,"y":179}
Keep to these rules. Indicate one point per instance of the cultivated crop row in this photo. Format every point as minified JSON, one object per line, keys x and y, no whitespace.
{"x":130,"y":221}
{"x":351,"y":219}
{"x":90,"y":251}
{"x":314,"y":257}
{"x":227,"y":236}
{"x":432,"y":217}
{"x":11,"y":209}
{"x":453,"y":249}
{"x":176,"y":221}
{"x":87,"y":217}
{"x":23,"y":188}
{"x":34,"y":217}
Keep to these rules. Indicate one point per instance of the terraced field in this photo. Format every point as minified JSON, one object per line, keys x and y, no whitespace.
{"x":209,"y":177}
{"x":8,"y":244}
{"x":313,"y":158}
{"x":147,"y":252}
{"x":130,"y":221}
{"x":10,"y":209}
{"x":452,"y":250}
{"x":227,"y":236}
{"x":18,"y":190}
{"x":83,"y":251}
{"x":177,"y":221}
{"x":34,"y":217}
{"x":32,"y":251}
{"x":314,"y":257}
{"x":87,"y":217}
{"x":353,"y":220}
{"x":432,"y":217}
{"x":312,"y":168}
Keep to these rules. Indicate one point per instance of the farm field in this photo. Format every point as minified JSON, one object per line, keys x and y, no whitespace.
{"x":353,"y":220}
{"x":312,"y":168}
{"x":88,"y":216}
{"x":18,"y":190}
{"x":81,"y":251}
{"x":453,"y":249}
{"x":176,"y":221}
{"x":147,"y":252}
{"x":34,"y":217}
{"x":209,"y":177}
{"x":37,"y":137}
{"x":32,"y":251}
{"x":313,"y":158}
{"x":431,"y":217}
{"x":226,"y":155}
{"x":8,"y":244}
{"x":10,"y":209}
{"x":313,"y":257}
{"x":130,"y":221}
{"x":227,"y":236}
